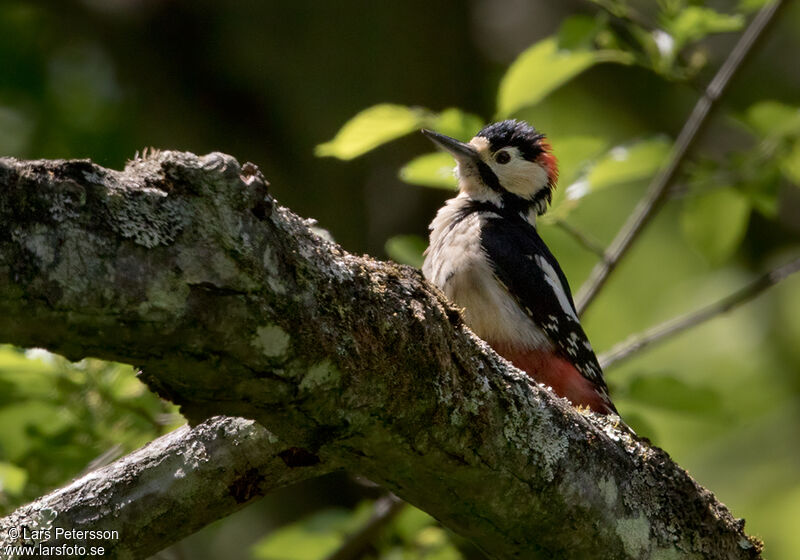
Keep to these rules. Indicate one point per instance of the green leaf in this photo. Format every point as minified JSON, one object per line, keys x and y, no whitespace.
{"x":458,"y":124}
{"x":544,"y":67}
{"x":406,"y":249}
{"x":695,"y":22}
{"x":372,"y":127}
{"x":430,"y":170}
{"x":625,"y":164}
{"x":668,"y":392}
{"x":759,"y":180}
{"x":715,"y":222}
{"x":578,"y":31}
{"x":773,"y":119}
{"x":574,"y":154}
{"x":622,"y":164}
{"x":12,"y":479}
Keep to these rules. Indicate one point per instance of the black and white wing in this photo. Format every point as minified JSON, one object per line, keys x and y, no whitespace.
{"x":525,"y":266}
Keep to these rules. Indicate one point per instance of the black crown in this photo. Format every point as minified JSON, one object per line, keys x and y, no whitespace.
{"x":518,"y":134}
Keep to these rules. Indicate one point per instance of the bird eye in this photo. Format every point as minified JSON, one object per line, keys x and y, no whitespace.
{"x":502,"y":157}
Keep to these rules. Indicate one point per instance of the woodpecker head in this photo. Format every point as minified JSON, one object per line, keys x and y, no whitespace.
{"x":507,"y":162}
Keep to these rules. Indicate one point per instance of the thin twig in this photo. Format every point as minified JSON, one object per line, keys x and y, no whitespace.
{"x":583,"y":240}
{"x":636,"y":343}
{"x":385,"y":509}
{"x":657,"y":191}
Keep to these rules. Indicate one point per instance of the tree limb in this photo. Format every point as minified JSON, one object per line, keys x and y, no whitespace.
{"x":657,"y":191}
{"x":666,"y":330}
{"x":161,"y":493}
{"x":231,"y":305}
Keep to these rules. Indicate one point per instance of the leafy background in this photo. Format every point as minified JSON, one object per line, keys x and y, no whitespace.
{"x":298,"y":86}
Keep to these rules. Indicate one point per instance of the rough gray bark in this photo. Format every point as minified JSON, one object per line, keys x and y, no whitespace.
{"x":162,"y":492}
{"x":231,"y":305}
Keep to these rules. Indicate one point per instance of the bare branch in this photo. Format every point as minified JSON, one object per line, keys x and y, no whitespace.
{"x":638,"y":342}
{"x":659,"y":187}
{"x":161,"y":493}
{"x":232,"y":306}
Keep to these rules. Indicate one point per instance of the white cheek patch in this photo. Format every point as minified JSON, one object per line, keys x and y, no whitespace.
{"x":552,"y":278}
{"x":520,"y":176}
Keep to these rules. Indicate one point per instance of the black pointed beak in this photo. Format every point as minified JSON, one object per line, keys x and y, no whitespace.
{"x":459,"y":150}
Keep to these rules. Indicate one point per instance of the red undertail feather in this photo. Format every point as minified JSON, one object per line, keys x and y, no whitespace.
{"x":549,"y":369}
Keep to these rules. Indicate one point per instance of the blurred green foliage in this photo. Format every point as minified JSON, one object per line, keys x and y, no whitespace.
{"x":412,"y":535}
{"x":610,"y":85}
{"x":316,"y":536}
{"x":60,"y":419}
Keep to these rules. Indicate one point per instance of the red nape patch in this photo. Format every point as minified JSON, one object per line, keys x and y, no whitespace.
{"x":557,"y":373}
{"x":547,"y":160}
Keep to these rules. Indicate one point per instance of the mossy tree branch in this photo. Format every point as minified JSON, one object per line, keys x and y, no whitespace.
{"x":231,"y":305}
{"x":163,"y":492}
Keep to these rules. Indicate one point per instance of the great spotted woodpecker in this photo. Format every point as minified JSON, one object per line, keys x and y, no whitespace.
{"x":487,"y":257}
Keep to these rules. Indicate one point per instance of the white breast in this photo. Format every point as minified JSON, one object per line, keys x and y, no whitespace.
{"x":457,"y":265}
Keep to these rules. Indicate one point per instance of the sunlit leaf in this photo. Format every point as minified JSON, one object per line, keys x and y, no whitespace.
{"x":668,"y":392}
{"x":79,"y":409}
{"x":12,"y":479}
{"x":430,"y":170}
{"x":695,"y":22}
{"x":406,"y":249}
{"x":574,"y":154}
{"x":372,"y":127}
{"x":624,"y":164}
{"x":458,"y":124}
{"x":715,"y":222}
{"x":773,"y":119}
{"x":544,"y":67}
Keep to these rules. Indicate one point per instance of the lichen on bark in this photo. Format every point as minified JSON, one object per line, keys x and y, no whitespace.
{"x":232,"y":305}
